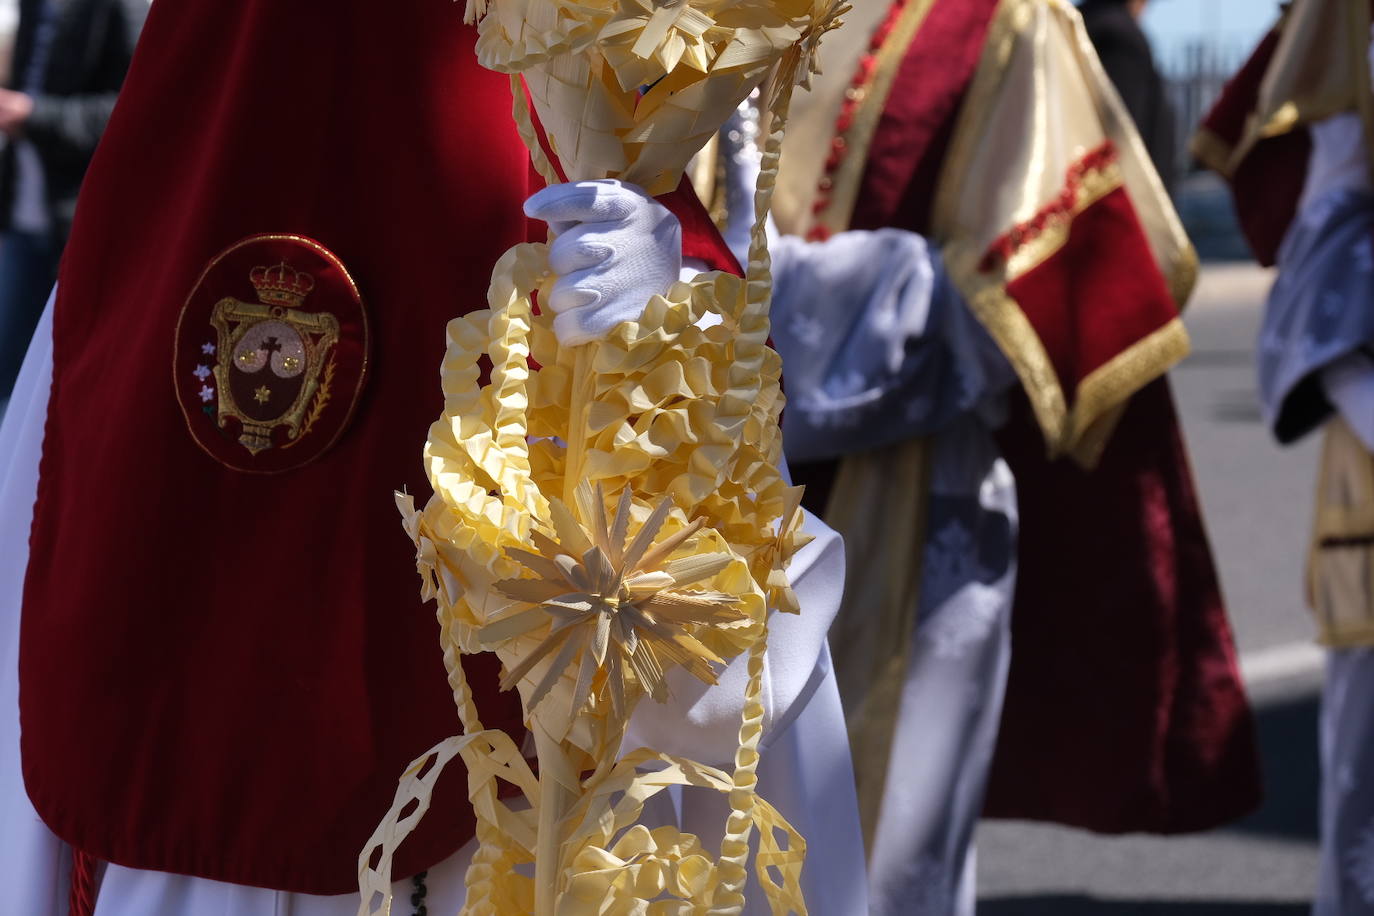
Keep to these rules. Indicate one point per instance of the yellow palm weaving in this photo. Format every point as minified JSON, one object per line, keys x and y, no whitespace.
{"x":604,"y":514}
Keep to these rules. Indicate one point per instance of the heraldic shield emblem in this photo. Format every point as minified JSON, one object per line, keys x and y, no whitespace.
{"x":271,"y":353}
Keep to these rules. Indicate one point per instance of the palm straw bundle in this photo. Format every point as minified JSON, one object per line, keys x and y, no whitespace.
{"x":616,"y":512}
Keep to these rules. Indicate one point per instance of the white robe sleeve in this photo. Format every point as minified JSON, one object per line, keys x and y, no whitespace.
{"x":1349,"y":385}
{"x":702,"y":722}
{"x":35,"y":866}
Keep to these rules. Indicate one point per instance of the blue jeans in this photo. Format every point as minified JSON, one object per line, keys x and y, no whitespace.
{"x":28,"y":269}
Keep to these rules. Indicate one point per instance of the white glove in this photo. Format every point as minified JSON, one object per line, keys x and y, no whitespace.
{"x":616,"y":248}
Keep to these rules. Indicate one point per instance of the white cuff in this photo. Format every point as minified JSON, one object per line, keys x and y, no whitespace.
{"x":1349,"y":385}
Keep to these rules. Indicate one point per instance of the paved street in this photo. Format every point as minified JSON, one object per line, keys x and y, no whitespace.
{"x":1256,"y":499}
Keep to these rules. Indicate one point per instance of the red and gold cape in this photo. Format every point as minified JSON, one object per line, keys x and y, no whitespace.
{"x":1255,"y":135}
{"x":224,"y":662}
{"x":989,"y":126}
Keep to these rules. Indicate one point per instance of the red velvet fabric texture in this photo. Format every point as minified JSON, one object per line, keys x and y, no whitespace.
{"x":1268,"y":182}
{"x":1098,"y":295}
{"x":908,"y":147}
{"x":1126,"y":706}
{"x":1124,"y":711}
{"x":224,"y":674}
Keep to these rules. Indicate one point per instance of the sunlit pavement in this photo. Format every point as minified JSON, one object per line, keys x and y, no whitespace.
{"x":1257,"y":501}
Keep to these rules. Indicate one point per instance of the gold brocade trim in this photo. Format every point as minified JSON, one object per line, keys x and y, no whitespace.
{"x":1213,"y":152}
{"x":1280,"y":122}
{"x":1293,"y":100}
{"x":1010,"y":18}
{"x":1340,"y":575}
{"x":1083,"y":430}
{"x":1016,"y":338}
{"x":988,"y":297}
{"x":1029,"y":244}
{"x":845,"y":181}
{"x":1175,"y":255}
{"x":1182,"y":279}
{"x":1088,"y":451}
{"x":1104,"y":391}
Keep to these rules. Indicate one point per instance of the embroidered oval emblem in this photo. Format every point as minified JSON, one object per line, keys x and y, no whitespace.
{"x":271,"y":353}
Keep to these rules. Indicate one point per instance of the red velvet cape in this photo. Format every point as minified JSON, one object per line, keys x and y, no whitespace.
{"x":1267,"y":184}
{"x":1124,"y":708}
{"x":222,"y":673}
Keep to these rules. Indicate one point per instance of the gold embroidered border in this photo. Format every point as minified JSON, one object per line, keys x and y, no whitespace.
{"x":988,"y":299}
{"x":1082,"y":432}
{"x":1309,"y":105}
{"x":1007,"y":22}
{"x":1107,"y":387}
{"x":1178,"y":259}
{"x":1183,"y":277}
{"x":1016,"y":338}
{"x":1003,"y":317}
{"x":1048,"y":232}
{"x":844,"y":188}
{"x":1213,"y":152}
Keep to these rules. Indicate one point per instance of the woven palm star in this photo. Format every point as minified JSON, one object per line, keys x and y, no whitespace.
{"x":618,"y":606}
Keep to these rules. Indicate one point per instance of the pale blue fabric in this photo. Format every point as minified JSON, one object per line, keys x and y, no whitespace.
{"x":878,"y":347}
{"x":1320,"y":309}
{"x":1346,"y":878}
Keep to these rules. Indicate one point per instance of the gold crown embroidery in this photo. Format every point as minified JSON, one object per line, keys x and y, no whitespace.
{"x":275,"y":361}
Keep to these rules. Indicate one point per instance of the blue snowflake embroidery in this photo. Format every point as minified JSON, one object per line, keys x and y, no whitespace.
{"x":1359,"y":863}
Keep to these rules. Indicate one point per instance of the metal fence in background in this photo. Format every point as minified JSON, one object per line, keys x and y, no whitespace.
{"x":1194,"y":76}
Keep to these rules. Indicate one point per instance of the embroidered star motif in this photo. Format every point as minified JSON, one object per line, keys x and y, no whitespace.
{"x":201,"y":372}
{"x":208,"y":348}
{"x":206,"y":393}
{"x":262,"y":395}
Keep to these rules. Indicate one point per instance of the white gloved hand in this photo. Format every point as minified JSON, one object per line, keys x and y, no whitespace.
{"x":616,"y":248}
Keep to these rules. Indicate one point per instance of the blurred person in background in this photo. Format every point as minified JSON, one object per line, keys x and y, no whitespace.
{"x":69,"y":60}
{"x":9,"y":24}
{"x":1114,"y":29}
{"x":977,"y":295}
{"x":1291,"y":133}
